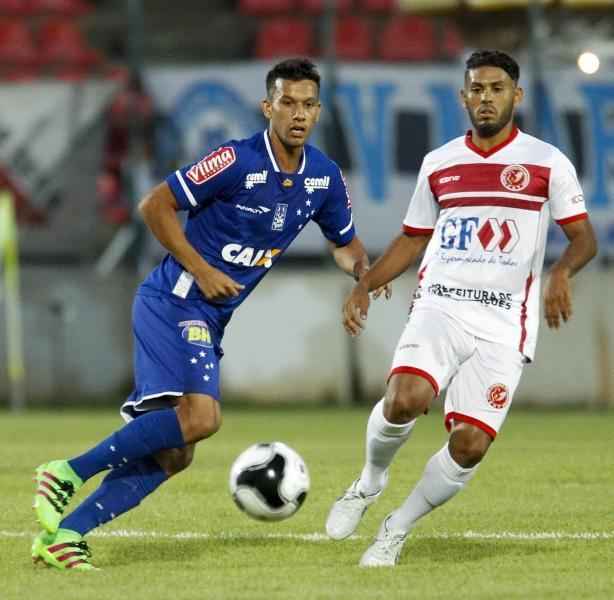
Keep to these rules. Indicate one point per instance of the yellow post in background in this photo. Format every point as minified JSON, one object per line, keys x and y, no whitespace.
{"x":10,"y":295}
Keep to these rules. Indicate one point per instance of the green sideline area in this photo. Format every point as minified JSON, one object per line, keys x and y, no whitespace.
{"x":536,"y":522}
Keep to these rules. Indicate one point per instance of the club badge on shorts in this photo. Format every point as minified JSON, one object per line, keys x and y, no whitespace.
{"x":497,"y":395}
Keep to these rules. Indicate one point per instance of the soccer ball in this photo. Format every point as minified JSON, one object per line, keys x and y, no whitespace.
{"x":269,"y":481}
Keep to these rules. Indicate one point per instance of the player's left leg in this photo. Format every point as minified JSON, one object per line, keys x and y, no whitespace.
{"x":176,"y":356}
{"x":477,"y":403}
{"x":125,"y":487}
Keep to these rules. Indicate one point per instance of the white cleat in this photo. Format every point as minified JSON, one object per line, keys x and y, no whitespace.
{"x":348,"y":509}
{"x":385,"y":549}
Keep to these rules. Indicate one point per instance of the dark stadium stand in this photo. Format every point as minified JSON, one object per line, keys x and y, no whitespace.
{"x":284,"y":36}
{"x":17,"y":45}
{"x":317,"y":6}
{"x":408,"y":38}
{"x":354,"y":39}
{"x":62,"y":44}
{"x":266,"y":7}
{"x":385,"y":6}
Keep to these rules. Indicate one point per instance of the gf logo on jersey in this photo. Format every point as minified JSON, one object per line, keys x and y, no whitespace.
{"x":249,"y":257}
{"x":497,"y":395}
{"x":457,"y":234}
{"x":196,"y":332}
{"x":515,"y":178}
{"x":213,"y":164}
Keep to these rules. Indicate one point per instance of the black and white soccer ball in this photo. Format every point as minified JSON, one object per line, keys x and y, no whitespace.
{"x":269,"y":481}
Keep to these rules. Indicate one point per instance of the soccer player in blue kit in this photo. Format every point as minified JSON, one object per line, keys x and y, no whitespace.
{"x":247,"y":201}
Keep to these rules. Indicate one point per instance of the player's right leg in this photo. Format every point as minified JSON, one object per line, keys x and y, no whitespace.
{"x":389,"y":426}
{"x":423,"y":363}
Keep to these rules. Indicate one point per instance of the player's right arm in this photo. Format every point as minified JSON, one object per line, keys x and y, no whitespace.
{"x":403,"y":251}
{"x":159,"y":211}
{"x":418,"y":227}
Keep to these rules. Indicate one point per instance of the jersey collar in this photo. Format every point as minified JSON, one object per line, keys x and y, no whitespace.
{"x":485,"y":154}
{"x":269,"y":150}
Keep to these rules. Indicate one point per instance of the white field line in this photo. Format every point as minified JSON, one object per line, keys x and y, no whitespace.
{"x":321,"y":537}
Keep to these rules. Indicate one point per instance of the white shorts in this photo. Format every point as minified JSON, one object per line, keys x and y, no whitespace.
{"x":480,"y":376}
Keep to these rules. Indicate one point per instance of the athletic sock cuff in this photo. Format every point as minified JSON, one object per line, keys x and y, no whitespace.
{"x":391,"y":429}
{"x":452,"y":469}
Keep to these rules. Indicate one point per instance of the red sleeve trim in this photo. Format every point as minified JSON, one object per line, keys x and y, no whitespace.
{"x":419,"y":373}
{"x":454,"y":416}
{"x":407,"y":230}
{"x":579,"y":217}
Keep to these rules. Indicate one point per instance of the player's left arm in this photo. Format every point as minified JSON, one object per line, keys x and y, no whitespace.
{"x":581,"y":249}
{"x":568,"y":209}
{"x":353,"y":260}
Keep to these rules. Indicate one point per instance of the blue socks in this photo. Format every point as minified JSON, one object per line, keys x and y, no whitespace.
{"x":122,"y":489}
{"x":146,"y":435}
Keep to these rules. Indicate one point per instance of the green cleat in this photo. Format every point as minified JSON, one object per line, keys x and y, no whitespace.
{"x":65,"y":550}
{"x":56,"y":484}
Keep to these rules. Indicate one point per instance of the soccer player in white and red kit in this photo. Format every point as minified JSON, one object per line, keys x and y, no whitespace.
{"x":480,"y":213}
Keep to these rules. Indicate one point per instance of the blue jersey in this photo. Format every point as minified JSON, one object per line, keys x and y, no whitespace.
{"x":243,"y":214}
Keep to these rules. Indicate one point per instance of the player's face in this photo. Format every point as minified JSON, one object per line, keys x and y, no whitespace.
{"x":490,"y":97}
{"x":292,"y":110}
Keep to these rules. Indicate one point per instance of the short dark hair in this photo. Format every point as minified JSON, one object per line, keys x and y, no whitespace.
{"x":494,"y":58}
{"x":294,"y":69}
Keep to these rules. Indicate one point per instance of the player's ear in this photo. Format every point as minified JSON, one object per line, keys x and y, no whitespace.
{"x":518,"y":96}
{"x":462,"y":97}
{"x":266,"y":108}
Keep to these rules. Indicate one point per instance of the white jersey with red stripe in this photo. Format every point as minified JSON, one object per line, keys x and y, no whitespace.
{"x":489,"y":215}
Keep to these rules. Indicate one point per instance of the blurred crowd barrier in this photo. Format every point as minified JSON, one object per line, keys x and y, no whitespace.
{"x":286,"y":344}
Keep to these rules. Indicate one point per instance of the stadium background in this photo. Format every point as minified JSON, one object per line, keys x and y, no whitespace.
{"x":101,"y":99}
{"x":98,"y":101}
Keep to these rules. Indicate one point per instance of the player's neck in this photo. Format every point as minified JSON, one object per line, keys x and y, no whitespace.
{"x":288,"y":157}
{"x":488,"y":143}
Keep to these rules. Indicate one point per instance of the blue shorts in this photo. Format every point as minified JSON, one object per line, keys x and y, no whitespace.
{"x":176,"y":352}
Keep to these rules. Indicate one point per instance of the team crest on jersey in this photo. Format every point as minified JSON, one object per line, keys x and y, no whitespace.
{"x":316,"y":183}
{"x":196,"y":332}
{"x":279,"y":218}
{"x":515,"y":178}
{"x":497,"y":395}
{"x":252,"y":179}
{"x":213,"y":164}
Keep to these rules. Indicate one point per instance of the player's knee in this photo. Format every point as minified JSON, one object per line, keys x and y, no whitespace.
{"x":175,"y":460}
{"x":468,"y":445}
{"x":206,"y":424}
{"x":407,"y":397}
{"x":200,"y":417}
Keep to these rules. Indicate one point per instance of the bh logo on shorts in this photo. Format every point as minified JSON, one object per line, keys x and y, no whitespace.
{"x":196,"y":332}
{"x":497,"y":395}
{"x":457,"y":233}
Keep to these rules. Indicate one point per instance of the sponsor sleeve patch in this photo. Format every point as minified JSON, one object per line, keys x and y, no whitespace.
{"x":213,"y":164}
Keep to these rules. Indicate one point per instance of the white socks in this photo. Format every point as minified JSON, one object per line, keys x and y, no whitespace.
{"x":383,"y":441}
{"x":442,"y":479}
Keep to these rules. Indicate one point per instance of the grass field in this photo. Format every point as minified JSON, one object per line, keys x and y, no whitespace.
{"x":537,"y":522}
